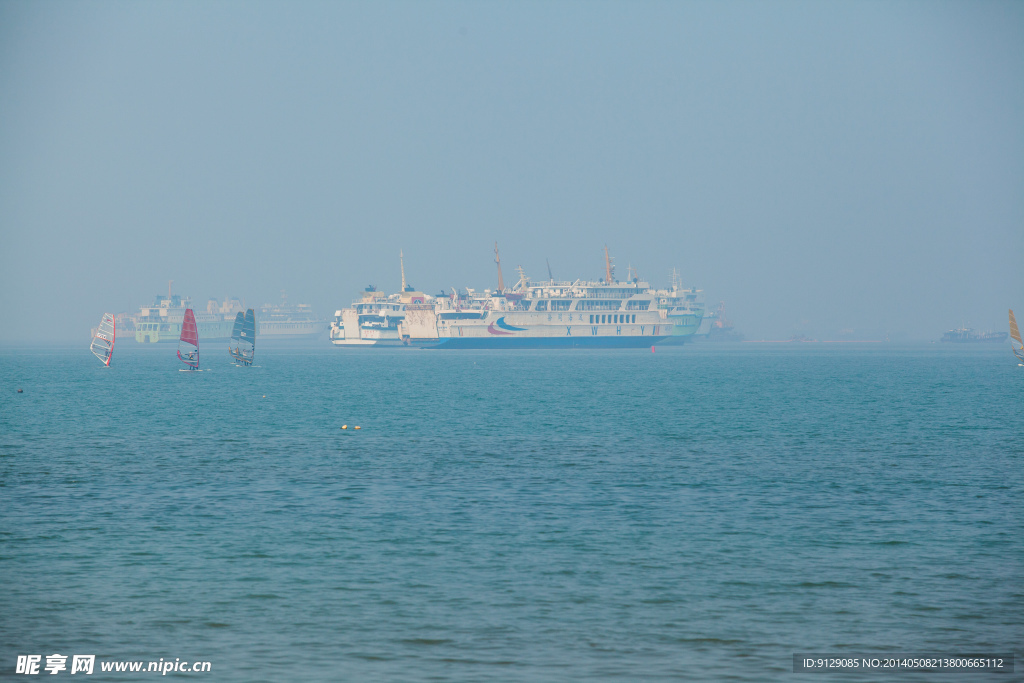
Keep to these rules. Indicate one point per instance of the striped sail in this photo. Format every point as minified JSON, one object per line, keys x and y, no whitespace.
{"x":103,"y":341}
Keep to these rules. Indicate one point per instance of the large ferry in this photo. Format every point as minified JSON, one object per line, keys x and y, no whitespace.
{"x":601,"y":314}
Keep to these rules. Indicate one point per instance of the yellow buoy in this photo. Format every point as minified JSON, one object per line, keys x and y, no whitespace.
{"x":358,"y":427}
{"x":264,"y":395}
{"x":344,"y":426}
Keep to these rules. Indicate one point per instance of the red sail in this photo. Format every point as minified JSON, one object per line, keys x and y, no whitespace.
{"x":189,"y":333}
{"x":190,"y":340}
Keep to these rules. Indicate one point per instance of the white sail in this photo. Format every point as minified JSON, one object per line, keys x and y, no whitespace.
{"x":103,"y":341}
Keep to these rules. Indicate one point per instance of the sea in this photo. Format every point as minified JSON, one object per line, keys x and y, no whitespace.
{"x":702,"y":512}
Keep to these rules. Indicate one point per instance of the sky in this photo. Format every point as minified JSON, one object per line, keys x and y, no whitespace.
{"x":824,"y":168}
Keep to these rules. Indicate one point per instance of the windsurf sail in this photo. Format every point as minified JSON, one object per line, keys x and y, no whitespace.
{"x":244,"y":338}
{"x":1015,"y":336}
{"x":103,"y":341}
{"x":236,"y":331}
{"x":189,"y":341}
{"x":236,"y":335}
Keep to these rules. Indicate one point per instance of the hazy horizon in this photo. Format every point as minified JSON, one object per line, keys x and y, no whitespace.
{"x":819,"y":167}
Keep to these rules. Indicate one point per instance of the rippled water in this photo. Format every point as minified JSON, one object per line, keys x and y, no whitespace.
{"x":700,"y":512}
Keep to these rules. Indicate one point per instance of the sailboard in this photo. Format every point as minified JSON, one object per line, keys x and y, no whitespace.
{"x":189,"y":341}
{"x":1015,"y":336}
{"x":102,"y":345}
{"x":243,"y":338}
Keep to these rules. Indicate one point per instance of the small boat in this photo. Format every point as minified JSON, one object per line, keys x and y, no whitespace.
{"x":1015,"y":336}
{"x":103,"y":341}
{"x":189,"y":341}
{"x":243,"y":338}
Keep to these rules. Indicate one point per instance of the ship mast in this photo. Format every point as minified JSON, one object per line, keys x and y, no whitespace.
{"x":550,"y":276}
{"x":401,"y":260}
{"x":607,"y":266}
{"x":497,"y":259}
{"x":169,"y":283}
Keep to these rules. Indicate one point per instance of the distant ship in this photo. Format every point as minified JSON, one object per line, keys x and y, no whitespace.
{"x":285,"y":321}
{"x":716,"y":327}
{"x":966,"y":335}
{"x":559,"y":314}
{"x":162,"y":320}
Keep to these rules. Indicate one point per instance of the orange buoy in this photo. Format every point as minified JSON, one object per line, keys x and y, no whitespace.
{"x":358,"y":427}
{"x":344,"y":426}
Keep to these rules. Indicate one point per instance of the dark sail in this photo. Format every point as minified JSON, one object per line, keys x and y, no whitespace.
{"x":244,"y":338}
{"x":249,"y":327}
{"x":236,"y":331}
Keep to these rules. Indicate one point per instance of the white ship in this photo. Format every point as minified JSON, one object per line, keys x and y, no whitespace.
{"x":601,"y":314}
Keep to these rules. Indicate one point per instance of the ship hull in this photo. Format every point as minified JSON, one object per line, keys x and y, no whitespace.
{"x":539,"y":342}
{"x":151,"y":333}
{"x":366,"y":343}
{"x":291,"y":329}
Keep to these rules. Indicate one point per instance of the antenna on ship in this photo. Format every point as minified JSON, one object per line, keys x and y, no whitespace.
{"x":550,"y":276}
{"x":169,"y":283}
{"x":608,"y":267}
{"x":497,"y":259}
{"x":401,"y":260}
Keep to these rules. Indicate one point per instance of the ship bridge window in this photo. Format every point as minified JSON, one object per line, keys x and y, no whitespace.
{"x":560,"y":304}
{"x":460,"y":316}
{"x":599,"y":305}
{"x":542,"y":305}
{"x":638,"y":305}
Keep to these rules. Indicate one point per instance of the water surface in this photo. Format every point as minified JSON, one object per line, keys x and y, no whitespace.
{"x":696,"y":513}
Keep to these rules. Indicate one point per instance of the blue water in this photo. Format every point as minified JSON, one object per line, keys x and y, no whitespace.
{"x":698,"y":513}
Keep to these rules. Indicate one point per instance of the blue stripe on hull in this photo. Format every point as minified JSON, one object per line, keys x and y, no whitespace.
{"x":581,"y":342}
